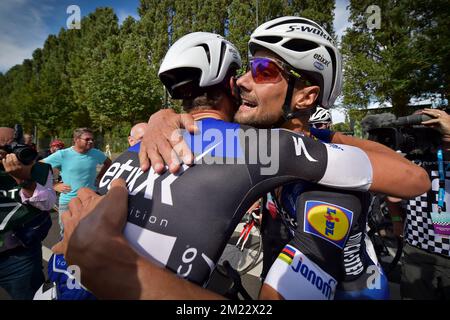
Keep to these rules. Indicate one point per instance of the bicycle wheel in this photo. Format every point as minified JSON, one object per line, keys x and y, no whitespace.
{"x":242,"y":260}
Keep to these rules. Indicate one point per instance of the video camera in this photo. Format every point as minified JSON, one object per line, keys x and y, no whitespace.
{"x":405,"y":134}
{"x":24,"y":153}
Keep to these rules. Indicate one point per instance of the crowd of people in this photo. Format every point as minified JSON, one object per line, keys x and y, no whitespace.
{"x":156,"y":221}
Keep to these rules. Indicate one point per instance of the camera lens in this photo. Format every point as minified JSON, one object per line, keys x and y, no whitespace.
{"x":25,"y":154}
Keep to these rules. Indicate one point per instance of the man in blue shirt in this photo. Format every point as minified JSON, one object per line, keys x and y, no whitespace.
{"x":78,"y":167}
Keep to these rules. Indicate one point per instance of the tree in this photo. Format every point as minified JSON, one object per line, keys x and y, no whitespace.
{"x":241,"y":23}
{"x":393,"y":63}
{"x":105,"y":75}
{"x":122,"y":87}
{"x":342,"y":127}
{"x":321,"y":12}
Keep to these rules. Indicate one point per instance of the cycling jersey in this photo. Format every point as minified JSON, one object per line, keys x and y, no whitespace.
{"x":66,"y":282}
{"x":355,"y":268}
{"x":183,"y":221}
{"x":329,"y":255}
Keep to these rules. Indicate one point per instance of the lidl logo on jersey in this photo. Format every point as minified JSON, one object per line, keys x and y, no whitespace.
{"x":327,"y":221}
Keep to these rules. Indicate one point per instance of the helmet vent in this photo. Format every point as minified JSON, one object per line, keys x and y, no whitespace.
{"x":300,"y":45}
{"x":269,"y":39}
{"x":333,"y":61}
{"x":208,"y":54}
{"x":223,"y":47}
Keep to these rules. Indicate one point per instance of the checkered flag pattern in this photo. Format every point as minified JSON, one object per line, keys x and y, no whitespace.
{"x":419,"y":227}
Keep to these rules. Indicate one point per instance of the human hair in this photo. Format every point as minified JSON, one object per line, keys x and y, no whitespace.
{"x":207,"y":100}
{"x":77,"y":133}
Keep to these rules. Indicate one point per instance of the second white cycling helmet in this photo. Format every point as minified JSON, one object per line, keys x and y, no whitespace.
{"x":307,"y":47}
{"x":197,"y":60}
{"x":321,"y":115}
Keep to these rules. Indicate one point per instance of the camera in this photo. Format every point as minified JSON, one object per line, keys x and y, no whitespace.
{"x":404,"y":134}
{"x":24,"y":153}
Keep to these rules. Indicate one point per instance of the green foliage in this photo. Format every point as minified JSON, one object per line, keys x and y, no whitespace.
{"x":342,"y":127}
{"x":104,"y":75}
{"x":321,"y":12}
{"x":401,"y":59}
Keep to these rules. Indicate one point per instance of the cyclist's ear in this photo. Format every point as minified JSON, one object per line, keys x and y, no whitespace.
{"x":304,"y":98}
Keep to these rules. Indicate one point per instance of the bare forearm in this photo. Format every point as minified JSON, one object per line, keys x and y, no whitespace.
{"x":392,"y":174}
{"x":105,"y":167}
{"x":396,"y":178}
{"x":124,"y":274}
{"x":159,"y":283}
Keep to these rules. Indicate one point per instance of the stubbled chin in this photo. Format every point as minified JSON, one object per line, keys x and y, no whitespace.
{"x":246,"y":115}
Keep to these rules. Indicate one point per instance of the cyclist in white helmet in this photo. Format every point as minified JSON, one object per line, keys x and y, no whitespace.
{"x":295,"y":64}
{"x":321,"y":119}
{"x":261,"y":73}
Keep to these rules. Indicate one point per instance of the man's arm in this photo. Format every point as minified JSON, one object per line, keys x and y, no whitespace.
{"x":389,"y":168}
{"x":127,"y":275}
{"x":366,"y":145}
{"x":92,"y":233}
{"x":348,"y":167}
{"x":161,"y":137}
{"x":106,"y":164}
{"x":441,"y":123}
{"x":40,"y":196}
{"x":392,"y":174}
{"x":20,"y":173}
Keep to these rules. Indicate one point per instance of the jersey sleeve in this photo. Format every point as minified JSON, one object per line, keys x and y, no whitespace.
{"x":55,"y":159}
{"x":99,"y":156}
{"x":331,"y":165}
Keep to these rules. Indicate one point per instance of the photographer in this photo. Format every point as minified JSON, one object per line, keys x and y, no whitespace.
{"x":426,"y":259}
{"x":26,"y":196}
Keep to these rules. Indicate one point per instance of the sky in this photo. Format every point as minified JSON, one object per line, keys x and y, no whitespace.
{"x":25,"y":24}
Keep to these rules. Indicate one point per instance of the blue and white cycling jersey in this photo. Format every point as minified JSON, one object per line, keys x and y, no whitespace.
{"x":67,"y":285}
{"x":330,"y":255}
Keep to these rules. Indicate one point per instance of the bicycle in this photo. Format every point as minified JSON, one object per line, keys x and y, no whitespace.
{"x":245,"y":254}
{"x":388,"y":247}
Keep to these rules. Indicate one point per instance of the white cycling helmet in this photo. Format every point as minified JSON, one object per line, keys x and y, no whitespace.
{"x":197,"y":60}
{"x":321,"y":115}
{"x":307,"y":47}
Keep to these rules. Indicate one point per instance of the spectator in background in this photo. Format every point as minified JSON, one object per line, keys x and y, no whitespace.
{"x":26,"y":195}
{"x":54,"y":146}
{"x":78,"y":167}
{"x":137,"y":132}
{"x":321,"y":119}
{"x":28,"y":140}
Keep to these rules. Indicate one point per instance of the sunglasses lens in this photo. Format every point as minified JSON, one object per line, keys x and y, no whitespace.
{"x":319,"y":125}
{"x":265,"y":71}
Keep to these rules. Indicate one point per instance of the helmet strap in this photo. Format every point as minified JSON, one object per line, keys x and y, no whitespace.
{"x":235,"y":91}
{"x":287,"y":112}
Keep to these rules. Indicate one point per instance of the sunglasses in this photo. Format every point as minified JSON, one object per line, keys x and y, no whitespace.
{"x":87,"y":140}
{"x":319,"y":125}
{"x":269,"y":70}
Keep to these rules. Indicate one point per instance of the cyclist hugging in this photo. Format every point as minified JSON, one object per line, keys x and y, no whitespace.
{"x":182,"y":220}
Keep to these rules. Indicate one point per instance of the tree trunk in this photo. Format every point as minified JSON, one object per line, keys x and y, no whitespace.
{"x":400,"y":102}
